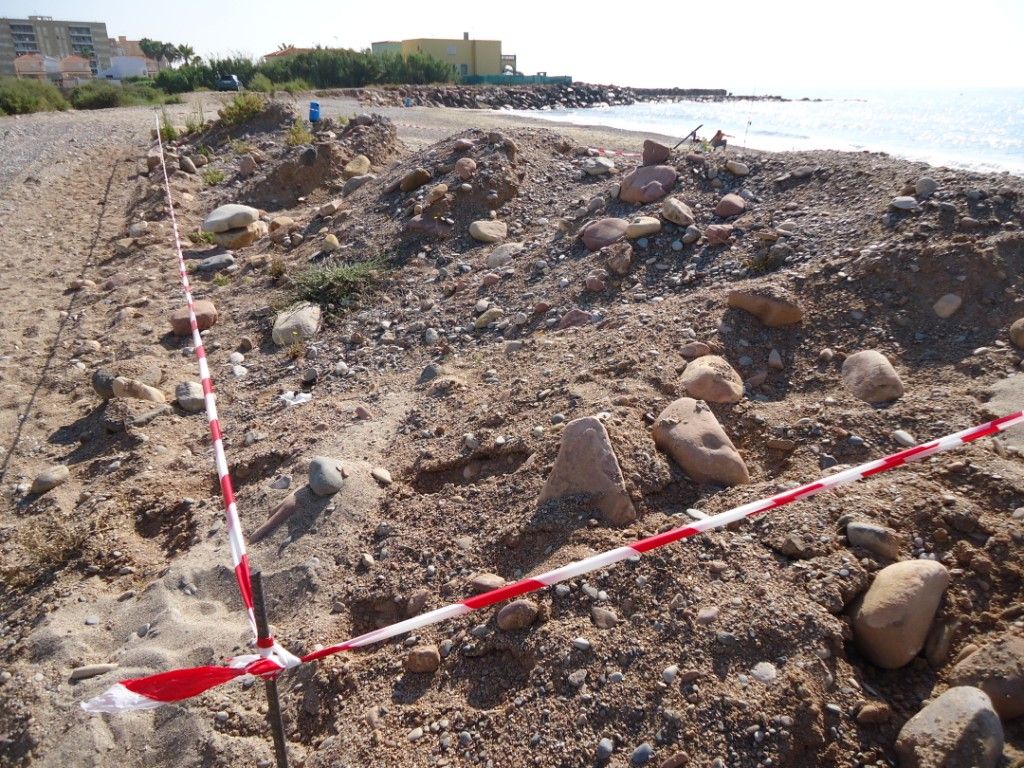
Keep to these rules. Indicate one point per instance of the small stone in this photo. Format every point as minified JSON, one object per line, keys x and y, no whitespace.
{"x":502,"y":255}
{"x":603,"y":618}
{"x":775,"y":360}
{"x":517,"y":615}
{"x":297,"y":324}
{"x":669,"y":674}
{"x":947,"y":305}
{"x":1017,"y":333}
{"x":357,"y":166}
{"x":904,"y":438}
{"x":50,"y":479}
{"x":877,"y":539}
{"x":676,"y":211}
{"x":330,"y":243}
{"x":381,"y":475}
{"x":603,"y":232}
{"x":485,"y":582}
{"x":231,"y":216}
{"x":326,"y":476}
{"x":655,"y":152}
{"x":206,"y":317}
{"x":641,"y":755}
{"x":874,"y":713}
{"x":91,"y":670}
{"x":870,"y":376}
{"x":423,"y":659}
{"x":124,"y":387}
{"x":597,"y":166}
{"x":647,"y":184}
{"x":189,"y":396}
{"x":488,"y":230}
{"x":642,"y":226}
{"x":736,"y":168}
{"x":764,"y":672}
{"x":414,"y":179}
{"x":926,"y":187}
{"x":605,"y":748}
{"x":465,"y":167}
{"x":730,"y":205}
{"x":774,"y":309}
{"x":903,"y":203}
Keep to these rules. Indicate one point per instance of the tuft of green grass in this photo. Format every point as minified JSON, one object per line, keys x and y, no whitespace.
{"x":240,"y":147}
{"x":198,"y":236}
{"x":244,"y":107}
{"x":167,"y":130}
{"x":338,"y":285}
{"x":299,"y":134}
{"x":221,"y":280}
{"x":276,"y":268}
{"x":213,"y":176}
{"x":261,"y":83}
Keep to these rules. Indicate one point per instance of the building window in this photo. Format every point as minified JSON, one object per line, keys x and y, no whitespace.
{"x":451,"y":50}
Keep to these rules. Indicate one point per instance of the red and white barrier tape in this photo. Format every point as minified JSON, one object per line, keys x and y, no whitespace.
{"x":239,"y":557}
{"x":148,"y":692}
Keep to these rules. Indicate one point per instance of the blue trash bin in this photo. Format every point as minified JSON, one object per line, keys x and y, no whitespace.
{"x":314,"y":111}
{"x":407,"y":101}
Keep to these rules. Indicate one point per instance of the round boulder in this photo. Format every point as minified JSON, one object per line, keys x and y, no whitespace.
{"x":959,"y":728}
{"x":711,"y":378}
{"x":206,"y":317}
{"x":688,"y":431}
{"x":892,"y":619}
{"x":488,"y":230}
{"x":326,"y":476}
{"x":869,"y":375}
{"x":997,"y":668}
{"x":423,"y":659}
{"x":603,"y":232}
{"x":730,"y":205}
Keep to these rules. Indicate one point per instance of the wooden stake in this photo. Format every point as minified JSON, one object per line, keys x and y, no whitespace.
{"x":273,"y":702}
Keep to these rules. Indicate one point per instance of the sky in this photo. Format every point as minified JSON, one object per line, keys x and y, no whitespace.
{"x":789,"y":47}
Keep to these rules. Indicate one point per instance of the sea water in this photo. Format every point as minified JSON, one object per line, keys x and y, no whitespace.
{"x":980,"y":129}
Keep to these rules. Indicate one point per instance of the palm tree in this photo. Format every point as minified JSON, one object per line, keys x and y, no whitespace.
{"x":188,"y":54}
{"x":152,"y":49}
{"x":171,"y":53}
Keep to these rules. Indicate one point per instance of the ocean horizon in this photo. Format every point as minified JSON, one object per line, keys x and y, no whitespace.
{"x":980,"y":129}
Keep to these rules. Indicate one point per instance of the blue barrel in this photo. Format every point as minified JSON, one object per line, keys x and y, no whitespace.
{"x":407,"y":101}
{"x":314,"y":111}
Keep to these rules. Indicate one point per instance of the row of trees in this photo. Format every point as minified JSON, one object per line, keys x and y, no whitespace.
{"x":171,"y":53}
{"x":321,"y":68}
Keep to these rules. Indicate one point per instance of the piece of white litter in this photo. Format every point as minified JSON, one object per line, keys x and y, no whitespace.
{"x":295,"y":398}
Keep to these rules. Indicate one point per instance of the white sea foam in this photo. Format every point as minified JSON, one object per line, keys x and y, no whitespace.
{"x":981,"y":129}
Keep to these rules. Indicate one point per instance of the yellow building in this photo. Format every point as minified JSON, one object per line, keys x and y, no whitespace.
{"x":469,"y":57}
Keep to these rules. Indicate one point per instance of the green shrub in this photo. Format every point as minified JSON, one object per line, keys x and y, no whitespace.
{"x":174,"y":80}
{"x":213,"y":176}
{"x":244,"y":107}
{"x":20,"y":97}
{"x":299,"y":134}
{"x":295,"y":86}
{"x":338,"y":284}
{"x":95,"y":96}
{"x":261,"y":83}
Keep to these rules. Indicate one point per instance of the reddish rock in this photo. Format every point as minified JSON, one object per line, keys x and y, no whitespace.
{"x":206,"y":316}
{"x":541,"y":307}
{"x":586,"y":466}
{"x":719,"y":234}
{"x":774,"y":310}
{"x":688,"y":431}
{"x":603,"y":232}
{"x":711,"y":378}
{"x":655,"y":153}
{"x":573,"y":317}
{"x":423,"y":659}
{"x":519,"y":614}
{"x":463,"y":145}
{"x":595,"y":283}
{"x":647,"y":184}
{"x":422,"y":225}
{"x":730,"y":205}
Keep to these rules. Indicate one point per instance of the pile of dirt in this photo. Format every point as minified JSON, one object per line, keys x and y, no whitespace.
{"x":456,"y":371}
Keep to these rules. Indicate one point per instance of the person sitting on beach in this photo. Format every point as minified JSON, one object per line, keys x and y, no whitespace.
{"x":718,"y":140}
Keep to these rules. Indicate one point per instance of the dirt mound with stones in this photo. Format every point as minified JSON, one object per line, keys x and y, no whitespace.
{"x":477,"y":297}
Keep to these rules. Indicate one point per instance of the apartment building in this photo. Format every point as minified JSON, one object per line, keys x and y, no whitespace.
{"x":54,"y":39}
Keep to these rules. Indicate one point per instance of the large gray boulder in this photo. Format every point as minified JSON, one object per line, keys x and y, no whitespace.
{"x":960,"y":729}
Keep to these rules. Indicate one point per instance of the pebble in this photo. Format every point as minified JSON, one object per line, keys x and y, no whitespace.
{"x":381,"y":475}
{"x":581,"y":644}
{"x":91,"y":670}
{"x":605,"y":748}
{"x":517,"y":615}
{"x":904,"y":438}
{"x":764,"y":672}
{"x":50,"y":479}
{"x":669,"y":674}
{"x":641,"y":755}
{"x":326,"y":476}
